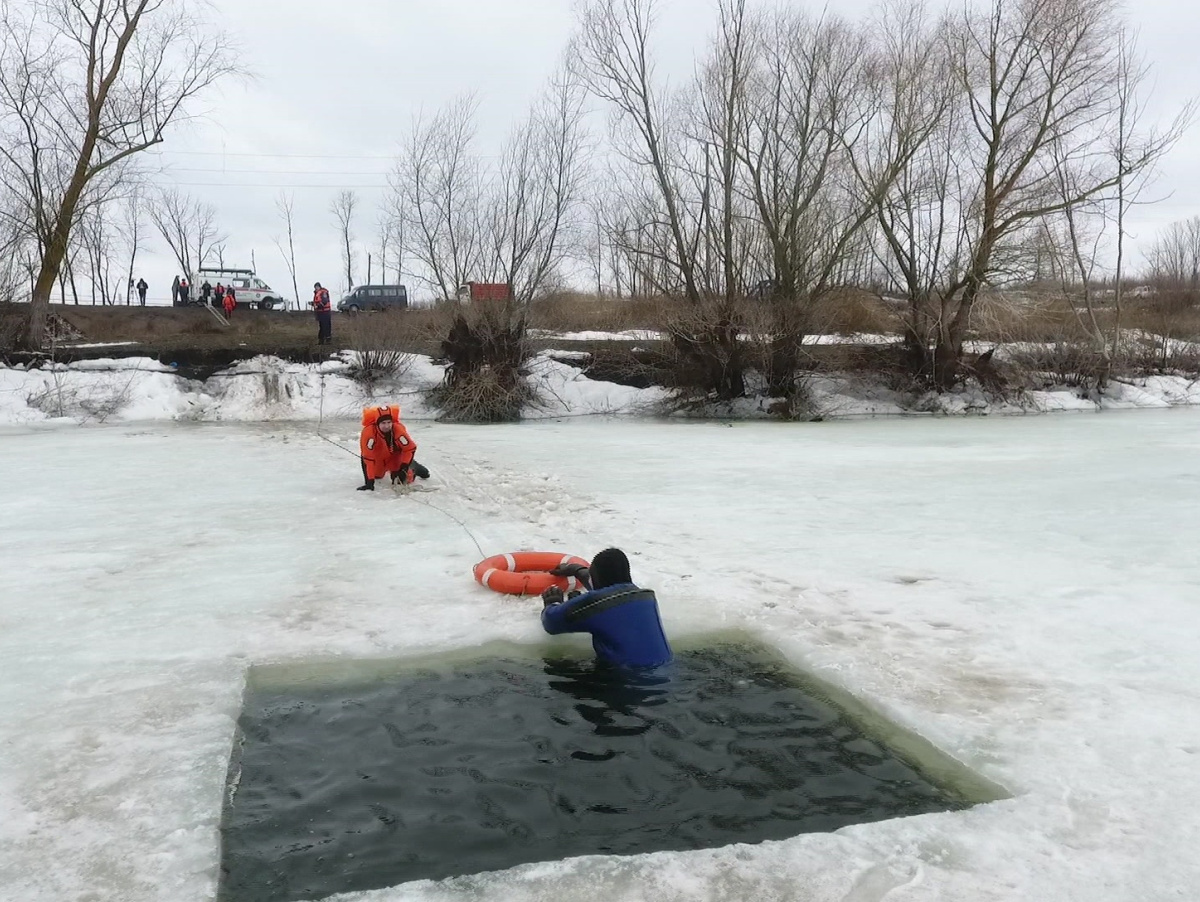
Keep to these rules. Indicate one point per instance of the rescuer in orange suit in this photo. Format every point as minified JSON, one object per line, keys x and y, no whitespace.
{"x":386,"y":449}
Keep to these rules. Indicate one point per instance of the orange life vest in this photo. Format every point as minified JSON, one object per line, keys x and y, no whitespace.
{"x":385,"y":452}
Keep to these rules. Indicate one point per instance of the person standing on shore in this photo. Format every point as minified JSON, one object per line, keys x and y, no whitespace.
{"x":323,"y":308}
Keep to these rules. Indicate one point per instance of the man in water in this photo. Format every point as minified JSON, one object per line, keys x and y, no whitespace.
{"x":623,"y":620}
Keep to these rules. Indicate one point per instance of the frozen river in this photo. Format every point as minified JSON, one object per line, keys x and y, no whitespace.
{"x":1023,"y":592}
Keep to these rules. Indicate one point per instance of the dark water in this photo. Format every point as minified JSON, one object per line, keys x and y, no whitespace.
{"x":499,"y":762}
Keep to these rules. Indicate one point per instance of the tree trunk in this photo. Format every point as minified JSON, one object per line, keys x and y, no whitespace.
{"x":916,"y":346}
{"x":947,"y":356}
{"x":783,"y":350}
{"x":56,"y":250}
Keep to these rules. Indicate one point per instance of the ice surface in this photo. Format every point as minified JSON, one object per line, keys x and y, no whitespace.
{"x":1023,"y":592}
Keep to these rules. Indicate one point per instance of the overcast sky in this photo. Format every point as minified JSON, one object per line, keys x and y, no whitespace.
{"x":336,"y":85}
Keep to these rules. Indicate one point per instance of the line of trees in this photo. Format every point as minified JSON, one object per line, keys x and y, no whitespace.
{"x":86,"y":86}
{"x":926,"y":154}
{"x":930,"y":155}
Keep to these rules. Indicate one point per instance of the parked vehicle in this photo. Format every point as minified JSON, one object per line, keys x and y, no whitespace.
{"x":374,"y":297}
{"x":250,"y":290}
{"x":474,"y":292}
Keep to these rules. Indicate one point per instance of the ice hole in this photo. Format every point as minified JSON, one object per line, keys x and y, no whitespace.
{"x":363,"y":775}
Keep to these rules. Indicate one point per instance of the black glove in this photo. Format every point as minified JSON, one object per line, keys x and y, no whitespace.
{"x":368,"y":487}
{"x":401,"y":475}
{"x":573,"y":594}
{"x":553,"y":595}
{"x":579,"y":571}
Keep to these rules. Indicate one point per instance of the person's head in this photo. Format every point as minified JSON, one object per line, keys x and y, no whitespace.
{"x":316,"y":286}
{"x":610,"y":568}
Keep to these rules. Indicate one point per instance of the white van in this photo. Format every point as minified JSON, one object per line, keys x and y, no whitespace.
{"x":250,"y":290}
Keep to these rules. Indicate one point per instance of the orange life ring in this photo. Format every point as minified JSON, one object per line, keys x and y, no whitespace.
{"x":526,"y":572}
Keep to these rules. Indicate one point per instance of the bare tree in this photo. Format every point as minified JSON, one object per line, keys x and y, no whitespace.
{"x":812,"y":182}
{"x":100,"y":241}
{"x":189,"y":227}
{"x":536,"y":192}
{"x":717,"y":112}
{"x":1174,"y":280}
{"x":922,"y":245}
{"x":1085,"y":223}
{"x":285,"y":204}
{"x":86,"y":86}
{"x":436,"y":190}
{"x":1175,"y":255}
{"x":343,"y":210}
{"x":1038,"y":77}
{"x":15,"y":247}
{"x":132,"y":228}
{"x":613,"y":47}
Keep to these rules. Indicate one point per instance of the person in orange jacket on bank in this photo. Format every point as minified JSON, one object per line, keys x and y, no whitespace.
{"x":386,"y":449}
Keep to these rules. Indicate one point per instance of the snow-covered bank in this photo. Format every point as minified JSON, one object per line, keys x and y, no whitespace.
{"x":1022,"y":593}
{"x":137,"y":389}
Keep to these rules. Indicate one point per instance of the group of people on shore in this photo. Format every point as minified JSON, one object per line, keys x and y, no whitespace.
{"x":224,"y":297}
{"x":221,"y":296}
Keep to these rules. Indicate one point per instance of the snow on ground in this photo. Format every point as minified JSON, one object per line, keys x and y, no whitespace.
{"x":625,"y":335}
{"x":1023,"y":592}
{"x":858,"y":338}
{"x":100,"y":344}
{"x":269,"y":389}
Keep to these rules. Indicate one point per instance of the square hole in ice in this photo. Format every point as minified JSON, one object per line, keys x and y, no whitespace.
{"x":355,"y":777}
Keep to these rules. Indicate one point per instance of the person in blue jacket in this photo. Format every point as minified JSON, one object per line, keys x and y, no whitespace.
{"x":622,"y":618}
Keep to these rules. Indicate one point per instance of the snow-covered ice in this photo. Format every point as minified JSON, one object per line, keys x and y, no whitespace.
{"x":1022,"y":592}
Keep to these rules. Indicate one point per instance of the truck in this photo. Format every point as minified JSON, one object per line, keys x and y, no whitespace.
{"x":250,"y":290}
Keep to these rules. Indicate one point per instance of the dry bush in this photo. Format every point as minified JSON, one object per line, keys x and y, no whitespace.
{"x":385,"y":345}
{"x":636,"y":368}
{"x":1073,"y":364}
{"x":852,"y":311}
{"x":574,"y":312}
{"x":485,"y":349}
{"x":1013,"y":316}
{"x":14,"y":319}
{"x":1150,"y":353}
{"x":709,"y":357}
{"x":1170,"y":314}
{"x":84,"y":402}
{"x":373,"y":366}
{"x":485,"y":395}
